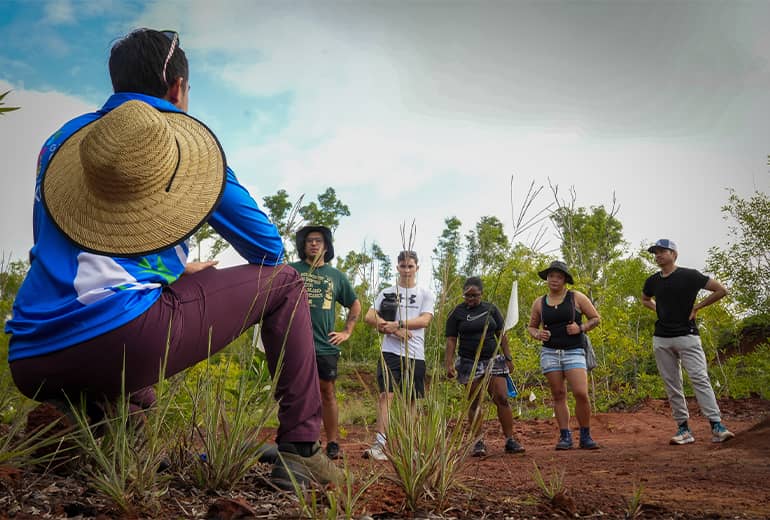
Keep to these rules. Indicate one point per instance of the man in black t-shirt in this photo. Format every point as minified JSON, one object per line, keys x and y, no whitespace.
{"x":671,"y":294}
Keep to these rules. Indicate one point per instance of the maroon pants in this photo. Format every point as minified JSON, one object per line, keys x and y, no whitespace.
{"x":198,"y":314}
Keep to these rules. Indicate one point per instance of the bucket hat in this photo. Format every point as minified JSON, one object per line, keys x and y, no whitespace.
{"x":302,"y":234}
{"x":135,"y":181}
{"x":557,"y":265}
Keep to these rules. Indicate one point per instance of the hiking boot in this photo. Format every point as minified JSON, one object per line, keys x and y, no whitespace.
{"x":587,"y":443}
{"x":479,"y":449}
{"x":376,"y":452}
{"x":268,"y":453}
{"x":683,"y":436}
{"x":564,"y":443}
{"x":333,"y":450}
{"x":315,"y":469}
{"x":720,"y":434}
{"x":511,"y":446}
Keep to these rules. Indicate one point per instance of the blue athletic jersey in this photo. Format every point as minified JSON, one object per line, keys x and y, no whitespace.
{"x":70,"y":296}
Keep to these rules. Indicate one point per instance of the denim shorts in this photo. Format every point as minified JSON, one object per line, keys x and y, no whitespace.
{"x":552,"y":359}
{"x":464,"y":365}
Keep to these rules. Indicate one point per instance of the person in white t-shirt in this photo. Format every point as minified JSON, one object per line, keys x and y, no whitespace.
{"x":403,"y":347}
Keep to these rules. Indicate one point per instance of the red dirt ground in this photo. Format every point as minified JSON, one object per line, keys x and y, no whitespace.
{"x":697,"y":481}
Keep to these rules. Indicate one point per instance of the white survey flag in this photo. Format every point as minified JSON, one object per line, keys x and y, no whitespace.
{"x":512,"y":315}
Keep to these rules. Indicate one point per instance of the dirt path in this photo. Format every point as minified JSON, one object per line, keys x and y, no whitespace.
{"x":700,"y":480}
{"x":697,"y":481}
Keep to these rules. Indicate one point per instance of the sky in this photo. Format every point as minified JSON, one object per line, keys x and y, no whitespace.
{"x":416,"y":111}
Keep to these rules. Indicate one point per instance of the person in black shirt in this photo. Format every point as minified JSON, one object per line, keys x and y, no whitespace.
{"x":562,"y":357}
{"x":671,"y":294}
{"x":479,"y":326}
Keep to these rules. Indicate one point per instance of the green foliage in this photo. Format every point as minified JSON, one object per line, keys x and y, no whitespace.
{"x":228,"y":416}
{"x":124,"y":451}
{"x":748,"y":375}
{"x":12,"y":274}
{"x":279,"y":207}
{"x":744,"y":265}
{"x":427,"y":455}
{"x":4,"y":109}
{"x":327,"y":212}
{"x":487,"y":246}
{"x":634,"y":504}
{"x":217,"y":243}
{"x":446,"y":255}
{"x":551,"y":487}
{"x":590,"y":241}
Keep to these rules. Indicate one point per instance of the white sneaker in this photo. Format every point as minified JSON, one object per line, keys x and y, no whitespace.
{"x":683,"y":436}
{"x":375,"y":452}
{"x":720,"y":433}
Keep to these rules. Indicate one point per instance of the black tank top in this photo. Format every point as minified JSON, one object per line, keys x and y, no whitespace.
{"x":556,"y":318}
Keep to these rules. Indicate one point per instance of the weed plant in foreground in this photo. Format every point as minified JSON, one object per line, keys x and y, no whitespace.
{"x":426,"y":454}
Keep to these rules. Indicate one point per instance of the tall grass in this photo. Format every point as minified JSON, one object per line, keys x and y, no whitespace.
{"x":124,"y":451}
{"x":426,"y":453}
{"x":228,"y":414}
{"x":553,"y":486}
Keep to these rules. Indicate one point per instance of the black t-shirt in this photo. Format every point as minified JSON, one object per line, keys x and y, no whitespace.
{"x":674,"y":299}
{"x":467,"y":324}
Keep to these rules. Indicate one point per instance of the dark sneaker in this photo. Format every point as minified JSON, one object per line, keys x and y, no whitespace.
{"x":565,"y":442}
{"x":333,"y":450}
{"x":511,"y":446}
{"x":315,"y":469}
{"x":683,"y":436}
{"x":479,"y":449}
{"x":587,"y":443}
{"x":268,"y":453}
{"x":719,"y":433}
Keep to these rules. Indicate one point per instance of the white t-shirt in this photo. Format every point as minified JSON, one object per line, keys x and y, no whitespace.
{"x":412,"y":302}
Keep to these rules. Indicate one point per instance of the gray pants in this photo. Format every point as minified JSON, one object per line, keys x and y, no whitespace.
{"x":671,"y":354}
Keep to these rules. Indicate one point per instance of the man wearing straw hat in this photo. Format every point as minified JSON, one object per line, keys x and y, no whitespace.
{"x":110,"y":295}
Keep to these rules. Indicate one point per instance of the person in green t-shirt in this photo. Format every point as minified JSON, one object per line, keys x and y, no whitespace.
{"x":326,"y":286}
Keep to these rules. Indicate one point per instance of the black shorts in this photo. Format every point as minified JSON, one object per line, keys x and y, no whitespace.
{"x":327,"y":366}
{"x":397,"y":366}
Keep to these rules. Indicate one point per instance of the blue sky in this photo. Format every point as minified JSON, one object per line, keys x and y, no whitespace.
{"x":417,"y":111}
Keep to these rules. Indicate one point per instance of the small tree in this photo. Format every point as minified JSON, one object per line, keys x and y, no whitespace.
{"x":744,"y":265}
{"x":207,"y":233}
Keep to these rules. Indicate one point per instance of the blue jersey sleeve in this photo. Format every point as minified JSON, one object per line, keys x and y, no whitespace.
{"x":245,"y":226}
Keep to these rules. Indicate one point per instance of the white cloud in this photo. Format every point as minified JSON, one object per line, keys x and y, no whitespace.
{"x":426,"y":111}
{"x":59,"y":12}
{"x":22,"y":133}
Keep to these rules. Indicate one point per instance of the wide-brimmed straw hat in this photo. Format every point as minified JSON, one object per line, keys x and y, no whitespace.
{"x":135,"y":181}
{"x":557,"y":265}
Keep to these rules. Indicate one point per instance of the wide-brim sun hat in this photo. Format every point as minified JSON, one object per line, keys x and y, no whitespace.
{"x":302,"y":234}
{"x":557,"y":265}
{"x":135,"y":181}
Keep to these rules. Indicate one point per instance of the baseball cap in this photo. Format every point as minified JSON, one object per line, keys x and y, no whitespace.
{"x":664,"y":243}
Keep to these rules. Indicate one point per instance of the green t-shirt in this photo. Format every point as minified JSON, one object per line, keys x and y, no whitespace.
{"x":326,"y":286}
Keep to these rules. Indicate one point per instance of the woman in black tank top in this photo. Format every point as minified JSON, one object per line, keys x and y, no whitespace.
{"x":562,"y":358}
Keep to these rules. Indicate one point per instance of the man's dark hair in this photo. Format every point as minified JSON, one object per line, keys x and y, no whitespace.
{"x":403,"y":255}
{"x":136,"y":63}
